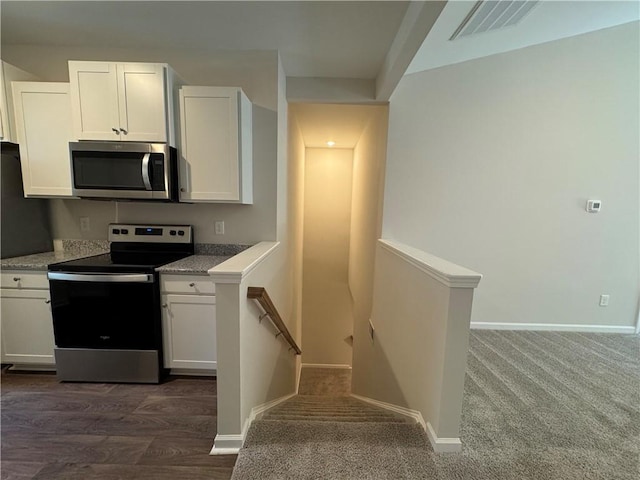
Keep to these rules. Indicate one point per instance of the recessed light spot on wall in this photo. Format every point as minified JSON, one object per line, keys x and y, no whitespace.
{"x":331,"y":143}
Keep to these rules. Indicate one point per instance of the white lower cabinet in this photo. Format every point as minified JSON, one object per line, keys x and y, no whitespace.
{"x":188,"y":323}
{"x":26,"y":321}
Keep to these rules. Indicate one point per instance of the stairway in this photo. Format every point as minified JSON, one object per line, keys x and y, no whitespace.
{"x":327,"y":437}
{"x":329,"y":409}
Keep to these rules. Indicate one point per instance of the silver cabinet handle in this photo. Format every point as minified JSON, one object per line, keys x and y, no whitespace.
{"x":145,"y":171}
{"x":164,"y":305}
{"x":183,"y":189}
{"x":116,"y":131}
{"x":192,"y":284}
{"x":123,"y":131}
{"x":101,"y":277}
{"x":16,"y":279}
{"x":47,"y":301}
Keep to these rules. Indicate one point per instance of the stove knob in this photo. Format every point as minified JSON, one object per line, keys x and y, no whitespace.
{"x":124,"y":231}
{"x":181,"y":233}
{"x":172,"y":232}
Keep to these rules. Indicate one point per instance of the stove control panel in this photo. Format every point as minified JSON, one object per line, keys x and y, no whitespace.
{"x":150,"y":233}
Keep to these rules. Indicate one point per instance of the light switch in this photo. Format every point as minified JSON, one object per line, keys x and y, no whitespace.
{"x":219,"y":228}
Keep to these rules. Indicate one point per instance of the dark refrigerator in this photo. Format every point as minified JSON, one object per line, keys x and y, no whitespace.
{"x":24,"y":222}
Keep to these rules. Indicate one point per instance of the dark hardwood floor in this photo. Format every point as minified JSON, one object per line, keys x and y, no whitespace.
{"x":83,"y":431}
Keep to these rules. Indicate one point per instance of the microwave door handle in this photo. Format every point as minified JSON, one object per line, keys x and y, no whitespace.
{"x":145,"y":171}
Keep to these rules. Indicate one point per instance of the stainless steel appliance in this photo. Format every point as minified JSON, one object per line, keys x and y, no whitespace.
{"x":124,"y":170}
{"x":106,"y":308}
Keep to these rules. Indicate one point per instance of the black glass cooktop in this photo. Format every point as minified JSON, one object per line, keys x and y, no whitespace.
{"x":119,"y":262}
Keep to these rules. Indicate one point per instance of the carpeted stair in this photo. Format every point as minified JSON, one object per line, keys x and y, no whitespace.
{"x":314,"y":437}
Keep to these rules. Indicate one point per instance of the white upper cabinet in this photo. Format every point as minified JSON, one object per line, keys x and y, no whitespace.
{"x":216,"y":145}
{"x":43,"y":128}
{"x":122,"y":101}
{"x":8,"y":74}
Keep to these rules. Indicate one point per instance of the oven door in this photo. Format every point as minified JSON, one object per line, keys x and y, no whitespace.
{"x":119,"y":170}
{"x":105,"y":311}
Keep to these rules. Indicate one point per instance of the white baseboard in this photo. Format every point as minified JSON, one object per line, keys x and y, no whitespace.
{"x":192,"y":372}
{"x":555,"y":327}
{"x":231,"y":444}
{"x":33,"y":367}
{"x":443,"y":445}
{"x":326,"y":365}
{"x":226,"y":444}
{"x":257,"y":412}
{"x":439,"y":445}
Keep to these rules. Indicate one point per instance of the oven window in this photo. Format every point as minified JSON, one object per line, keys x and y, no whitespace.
{"x":108,"y":170}
{"x":106,"y":315}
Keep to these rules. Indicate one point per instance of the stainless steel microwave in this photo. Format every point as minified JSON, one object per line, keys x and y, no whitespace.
{"x":123,"y":170}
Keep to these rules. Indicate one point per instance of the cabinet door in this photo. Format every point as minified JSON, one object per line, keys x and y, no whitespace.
{"x":8,"y":74}
{"x":141,"y":102}
{"x":43,"y":127}
{"x":209,"y":159}
{"x":189,"y":331}
{"x":27,"y":327}
{"x":94,"y":100}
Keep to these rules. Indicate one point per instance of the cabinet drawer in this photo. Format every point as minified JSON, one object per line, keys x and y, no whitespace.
{"x":197,"y":284}
{"x":22,"y":279}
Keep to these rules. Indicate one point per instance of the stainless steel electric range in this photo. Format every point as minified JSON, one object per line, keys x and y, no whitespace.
{"x":106,"y":308}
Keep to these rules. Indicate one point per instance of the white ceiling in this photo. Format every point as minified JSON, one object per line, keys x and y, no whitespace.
{"x":549,"y":20}
{"x":347,"y":39}
{"x":368,"y":40}
{"x":315,"y":39}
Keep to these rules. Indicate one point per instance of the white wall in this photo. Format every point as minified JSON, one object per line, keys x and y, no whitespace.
{"x":256,"y":72}
{"x":490,"y":163}
{"x":326,"y":303}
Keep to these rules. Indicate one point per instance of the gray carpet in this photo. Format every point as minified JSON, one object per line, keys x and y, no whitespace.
{"x":537,"y":405}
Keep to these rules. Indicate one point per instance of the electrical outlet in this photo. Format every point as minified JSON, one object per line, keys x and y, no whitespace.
{"x":219,"y":228}
{"x":604,"y":300}
{"x":85,"y":224}
{"x":371,"y":329}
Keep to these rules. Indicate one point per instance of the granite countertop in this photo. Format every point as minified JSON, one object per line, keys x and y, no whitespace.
{"x":70,"y":250}
{"x":207,"y":256}
{"x":193,"y":264}
{"x":40,"y":261}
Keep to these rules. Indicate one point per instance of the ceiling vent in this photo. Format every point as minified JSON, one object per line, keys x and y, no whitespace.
{"x":486,"y":16}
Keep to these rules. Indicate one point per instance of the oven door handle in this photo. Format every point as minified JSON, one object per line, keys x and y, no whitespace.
{"x":101,"y":277}
{"x":145,"y":171}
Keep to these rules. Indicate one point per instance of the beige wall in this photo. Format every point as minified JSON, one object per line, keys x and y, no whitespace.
{"x":369,"y":158}
{"x":417,"y":357}
{"x":256,"y":73}
{"x":296,"y":218}
{"x":254,"y":366}
{"x":490,"y":164}
{"x":326,"y":303}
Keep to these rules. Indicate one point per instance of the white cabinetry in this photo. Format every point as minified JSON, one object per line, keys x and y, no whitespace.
{"x":122,"y":101}
{"x":27,"y":325}
{"x":8,"y":74}
{"x":43,"y":128}
{"x":189,"y":322}
{"x":216,"y":145}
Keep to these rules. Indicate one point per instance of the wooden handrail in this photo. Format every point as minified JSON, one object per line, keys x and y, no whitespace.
{"x":261,"y":295}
